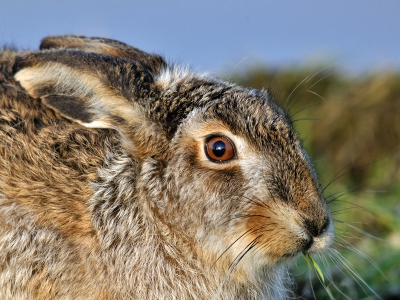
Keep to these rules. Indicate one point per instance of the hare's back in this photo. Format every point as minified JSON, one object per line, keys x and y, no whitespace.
{"x":47,"y":169}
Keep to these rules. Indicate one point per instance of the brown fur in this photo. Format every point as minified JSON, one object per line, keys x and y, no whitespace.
{"x":106,"y":192}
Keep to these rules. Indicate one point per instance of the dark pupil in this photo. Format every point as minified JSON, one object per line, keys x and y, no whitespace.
{"x":218,"y":148}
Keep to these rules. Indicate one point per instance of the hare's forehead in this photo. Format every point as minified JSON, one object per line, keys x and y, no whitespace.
{"x":256,"y":127}
{"x":189,"y":99}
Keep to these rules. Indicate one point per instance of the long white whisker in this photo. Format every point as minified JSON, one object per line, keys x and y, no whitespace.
{"x":299,"y":84}
{"x":330,"y":277}
{"x":234,"y":242}
{"x":311,"y":284}
{"x":349,"y":246}
{"x":323,"y":77}
{"x":333,"y":283}
{"x":345,"y":234}
{"x":316,"y":94}
{"x":360,"y":230}
{"x":348,"y":266}
{"x":305,"y":80}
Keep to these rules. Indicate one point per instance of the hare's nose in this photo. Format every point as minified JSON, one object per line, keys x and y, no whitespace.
{"x":316,"y":227}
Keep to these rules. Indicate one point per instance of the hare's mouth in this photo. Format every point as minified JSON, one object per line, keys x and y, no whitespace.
{"x":315,"y":244}
{"x":312,"y":245}
{"x":285,"y":245}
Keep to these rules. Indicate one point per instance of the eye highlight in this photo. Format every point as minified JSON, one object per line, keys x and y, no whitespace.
{"x":219,"y":149}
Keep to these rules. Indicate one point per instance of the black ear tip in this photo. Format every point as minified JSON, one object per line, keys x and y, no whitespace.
{"x":51,"y":42}
{"x":57,"y":41}
{"x":19,"y":64}
{"x":46,"y":43}
{"x":22,"y":62}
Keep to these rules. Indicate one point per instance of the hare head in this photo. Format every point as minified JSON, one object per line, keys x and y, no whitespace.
{"x":208,"y":187}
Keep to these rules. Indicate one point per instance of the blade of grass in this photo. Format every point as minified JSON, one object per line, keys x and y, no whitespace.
{"x":313,"y":266}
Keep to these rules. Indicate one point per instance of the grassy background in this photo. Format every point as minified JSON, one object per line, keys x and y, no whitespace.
{"x":350,"y":125}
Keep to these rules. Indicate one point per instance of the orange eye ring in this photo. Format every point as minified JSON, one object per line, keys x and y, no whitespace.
{"x":219,"y":149}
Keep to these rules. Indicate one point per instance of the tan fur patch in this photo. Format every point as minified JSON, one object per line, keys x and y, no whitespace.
{"x":271,"y":225}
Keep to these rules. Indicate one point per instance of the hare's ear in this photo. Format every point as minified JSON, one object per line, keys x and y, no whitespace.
{"x":152,"y":62}
{"x":96,"y":91}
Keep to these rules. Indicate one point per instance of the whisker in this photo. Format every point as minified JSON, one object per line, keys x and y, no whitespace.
{"x":336,"y":177}
{"x":311,"y":284}
{"x":340,"y":211}
{"x":329,"y":276}
{"x":257,"y":201}
{"x":244,"y":216}
{"x":337,"y":288}
{"x":360,"y":207}
{"x":230,"y":246}
{"x":319,"y":80}
{"x":316,"y":94}
{"x":340,"y":260}
{"x":349,"y":246}
{"x":359,"y":230}
{"x":322,"y":78}
{"x":334,"y":194}
{"x":305,"y":119}
{"x":326,"y":288}
{"x":300,"y":110}
{"x":236,"y":66}
{"x":242,"y":253}
{"x":342,"y":193}
{"x":305,"y":80}
{"x":347,"y":234}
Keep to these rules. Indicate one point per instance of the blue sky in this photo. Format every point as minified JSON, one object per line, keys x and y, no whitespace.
{"x":222,"y":35}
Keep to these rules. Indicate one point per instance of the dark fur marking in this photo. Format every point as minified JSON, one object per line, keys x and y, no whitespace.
{"x":70,"y":107}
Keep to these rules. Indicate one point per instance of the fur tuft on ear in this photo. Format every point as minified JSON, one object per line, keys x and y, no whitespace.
{"x":154,"y":63}
{"x":96,"y":91}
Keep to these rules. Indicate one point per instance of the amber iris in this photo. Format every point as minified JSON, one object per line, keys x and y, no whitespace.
{"x":219,"y":149}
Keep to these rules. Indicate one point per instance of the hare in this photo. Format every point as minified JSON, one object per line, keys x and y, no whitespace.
{"x":125,"y":177}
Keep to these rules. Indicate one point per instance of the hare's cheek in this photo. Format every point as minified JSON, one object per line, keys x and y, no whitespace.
{"x":200,"y":197}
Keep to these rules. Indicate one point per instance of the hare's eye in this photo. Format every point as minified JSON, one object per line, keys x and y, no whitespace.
{"x":219,"y":149}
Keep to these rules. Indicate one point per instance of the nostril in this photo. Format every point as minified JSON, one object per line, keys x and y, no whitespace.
{"x":315,"y":228}
{"x":325,"y":226}
{"x":311,"y":227}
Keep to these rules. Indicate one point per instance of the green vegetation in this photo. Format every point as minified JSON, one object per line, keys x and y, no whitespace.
{"x":350,"y":125}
